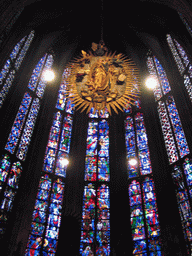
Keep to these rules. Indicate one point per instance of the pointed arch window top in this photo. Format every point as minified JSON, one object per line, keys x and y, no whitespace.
{"x":176,"y":56}
{"x":162,"y":76}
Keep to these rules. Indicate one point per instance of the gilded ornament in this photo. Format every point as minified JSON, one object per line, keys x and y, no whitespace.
{"x":100,"y":79}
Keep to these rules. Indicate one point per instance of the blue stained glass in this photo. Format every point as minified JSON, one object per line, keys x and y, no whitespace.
{"x":91,"y":145}
{"x":129,"y":135}
{"x":5,"y":70}
{"x":37,"y":229}
{"x":61,"y":99}
{"x":66,"y":134}
{"x":104,"y":113}
{"x":151,"y":67}
{"x":34,"y":243}
{"x":103,"y":146}
{"x":60,"y":168}
{"x":182,"y":53}
{"x":175,"y":55}
{"x":177,"y":127}
{"x":183,"y":202}
{"x":128,"y":109}
{"x":93,"y":113}
{"x":14,"y":175}
{"x":43,"y":194}
{"x":69,"y":107}
{"x":93,"y":128}
{"x":90,"y":168}
{"x":167,"y":133}
{"x":18,"y":124}
{"x":7,"y":202}
{"x":24,"y":50}
{"x":40,"y":217}
{"x":103,"y":250}
{"x":188,"y":173}
{"x":28,"y":130}
{"x":7,"y":85}
{"x":36,"y":74}
{"x":16,"y":49}
{"x":4,"y":167}
{"x":130,"y":146}
{"x":137,"y":218}
{"x":42,"y":83}
{"x":52,"y":144}
{"x":162,"y":76}
{"x":103,"y":169}
{"x":142,"y":144}
{"x":103,"y":128}
{"x":95,"y":234}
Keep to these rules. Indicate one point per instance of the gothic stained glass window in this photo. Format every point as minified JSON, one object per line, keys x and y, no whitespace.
{"x":177,"y":127}
{"x":37,"y":81}
{"x":12,"y":65}
{"x":95,"y":229}
{"x":170,"y":121}
{"x":176,"y":144}
{"x":18,"y":123}
{"x":183,"y":64}
{"x":183,"y":201}
{"x":144,"y":215}
{"x":28,"y":130}
{"x":167,"y":133}
{"x":46,"y":217}
{"x":22,"y":131}
{"x":9,"y":180}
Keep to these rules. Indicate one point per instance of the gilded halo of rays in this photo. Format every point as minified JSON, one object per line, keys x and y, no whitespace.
{"x":120,"y":82}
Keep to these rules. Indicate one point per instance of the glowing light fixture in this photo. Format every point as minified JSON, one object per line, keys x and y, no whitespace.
{"x":133,"y":161}
{"x":48,"y":75}
{"x":64,"y":162}
{"x":151,"y":82}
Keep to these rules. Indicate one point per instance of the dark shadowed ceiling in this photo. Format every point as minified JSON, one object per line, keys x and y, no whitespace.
{"x":121,"y":21}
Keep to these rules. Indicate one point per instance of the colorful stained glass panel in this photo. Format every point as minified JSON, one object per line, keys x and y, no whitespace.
{"x":137,"y":217}
{"x":18,"y":124}
{"x":24,"y":50}
{"x":28,"y":130}
{"x":188,"y":173}
{"x":90,"y":168}
{"x":175,"y":55}
{"x":177,"y":127}
{"x":142,"y":144}
{"x":151,"y":67}
{"x":36,"y":74}
{"x":167,"y":133}
{"x":103,"y":169}
{"x":162,"y":76}
{"x":52,"y":144}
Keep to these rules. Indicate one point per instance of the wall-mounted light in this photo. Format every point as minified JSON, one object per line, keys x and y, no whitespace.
{"x":48,"y":75}
{"x":133,"y":162}
{"x":64,"y":162}
{"x":151,"y":82}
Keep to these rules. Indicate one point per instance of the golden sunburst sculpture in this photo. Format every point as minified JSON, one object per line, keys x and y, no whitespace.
{"x":100,"y":79}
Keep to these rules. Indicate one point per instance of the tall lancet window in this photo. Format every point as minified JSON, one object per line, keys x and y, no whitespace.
{"x":11,"y":66}
{"x":142,"y":198}
{"x":95,"y":229}
{"x":18,"y":142}
{"x":175,"y":143}
{"x":183,"y":63}
{"x":46,"y":218}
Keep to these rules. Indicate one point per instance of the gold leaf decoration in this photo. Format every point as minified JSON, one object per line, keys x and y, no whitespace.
{"x":109,"y":81}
